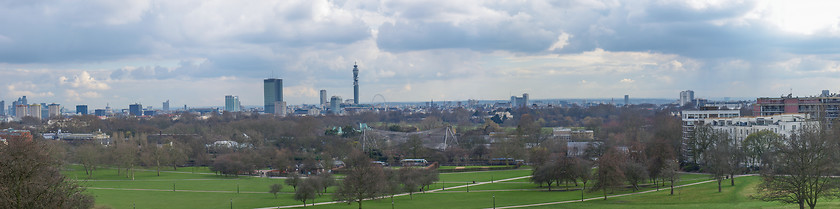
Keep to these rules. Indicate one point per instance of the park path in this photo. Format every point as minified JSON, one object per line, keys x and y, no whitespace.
{"x":404,"y":194}
{"x":600,"y":198}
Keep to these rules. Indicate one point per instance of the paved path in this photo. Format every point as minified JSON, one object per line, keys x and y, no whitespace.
{"x":600,"y":198}
{"x":177,"y":190}
{"x":404,"y":194}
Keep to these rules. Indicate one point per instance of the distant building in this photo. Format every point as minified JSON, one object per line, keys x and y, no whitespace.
{"x":273,"y":92}
{"x":825,"y":93}
{"x":686,"y":97}
{"x":100,"y":112}
{"x":54,"y":110}
{"x":739,"y":128}
{"x":99,"y":137}
{"x":12,"y":134}
{"x":232,"y":103}
{"x":21,"y":111}
{"x":2,"y":107}
{"x":519,"y":101}
{"x":20,"y":101}
{"x":166,"y":106}
{"x":323,"y":98}
{"x":335,"y":105}
{"x":626,"y":100}
{"x":149,"y":112}
{"x":135,"y":109}
{"x":787,"y":105}
{"x":82,"y":109}
{"x":355,"y":84}
{"x":280,"y":108}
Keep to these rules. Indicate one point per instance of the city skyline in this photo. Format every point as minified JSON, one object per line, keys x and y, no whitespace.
{"x":195,"y":53}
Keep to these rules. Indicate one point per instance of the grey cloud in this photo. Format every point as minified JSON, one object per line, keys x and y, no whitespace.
{"x":480,"y":36}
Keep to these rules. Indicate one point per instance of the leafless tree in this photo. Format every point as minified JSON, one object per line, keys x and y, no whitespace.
{"x":30,"y":178}
{"x":609,"y":173}
{"x":306,"y":191}
{"x":670,"y":173}
{"x":274,"y":189}
{"x":802,"y":167}
{"x":363,"y":180}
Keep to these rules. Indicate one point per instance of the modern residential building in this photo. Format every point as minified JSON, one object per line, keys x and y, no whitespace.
{"x":232,"y":103}
{"x":35,"y":111}
{"x":21,"y":111}
{"x":54,"y":110}
{"x":166,"y":106}
{"x":686,"y":97}
{"x":739,"y":128}
{"x":82,"y":109}
{"x":135,"y":109}
{"x":20,"y":101}
{"x":273,"y":92}
{"x":335,"y":105}
{"x":323,"y":98}
{"x":280,"y":108}
{"x":519,"y":101}
{"x":626,"y":100}
{"x":814,"y":105}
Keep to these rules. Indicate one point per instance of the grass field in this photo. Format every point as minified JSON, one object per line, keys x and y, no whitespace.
{"x":199,"y":188}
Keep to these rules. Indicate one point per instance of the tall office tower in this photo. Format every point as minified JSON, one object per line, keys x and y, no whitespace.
{"x":335,"y":105}
{"x":166,"y":106}
{"x":54,"y":110}
{"x":2,"y":107}
{"x":686,"y":97}
{"x":35,"y":110}
{"x":21,"y":111}
{"x":81,"y":109}
{"x":355,"y":83}
{"x":23,"y":100}
{"x":280,"y":108}
{"x":135,"y":109}
{"x":626,"y":100}
{"x":323,"y":98}
{"x":232,"y":103}
{"x":273,"y":92}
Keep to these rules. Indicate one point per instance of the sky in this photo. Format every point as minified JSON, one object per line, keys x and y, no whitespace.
{"x":194,"y":52}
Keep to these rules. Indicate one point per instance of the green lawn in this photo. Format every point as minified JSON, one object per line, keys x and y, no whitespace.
{"x":202,"y":189}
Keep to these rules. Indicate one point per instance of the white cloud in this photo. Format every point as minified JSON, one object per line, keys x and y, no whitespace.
{"x":627,"y":80}
{"x":562,"y":41}
{"x":83,"y":80}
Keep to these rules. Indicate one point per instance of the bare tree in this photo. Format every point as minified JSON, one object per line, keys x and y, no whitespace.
{"x":802,"y":167}
{"x":410,"y":178}
{"x":293,"y":179}
{"x":635,"y":173}
{"x":306,"y":191}
{"x":716,"y":159}
{"x":670,"y":172}
{"x":30,"y":178}
{"x":274,"y":189}
{"x":89,"y":155}
{"x":583,"y":171}
{"x":609,"y":173}
{"x":363,"y":180}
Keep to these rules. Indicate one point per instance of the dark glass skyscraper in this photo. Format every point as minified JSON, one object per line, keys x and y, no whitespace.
{"x":135,"y":110}
{"x":273,"y":89}
{"x":81,"y":109}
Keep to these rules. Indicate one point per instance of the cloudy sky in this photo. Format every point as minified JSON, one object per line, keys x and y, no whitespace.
{"x":195,"y":52}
